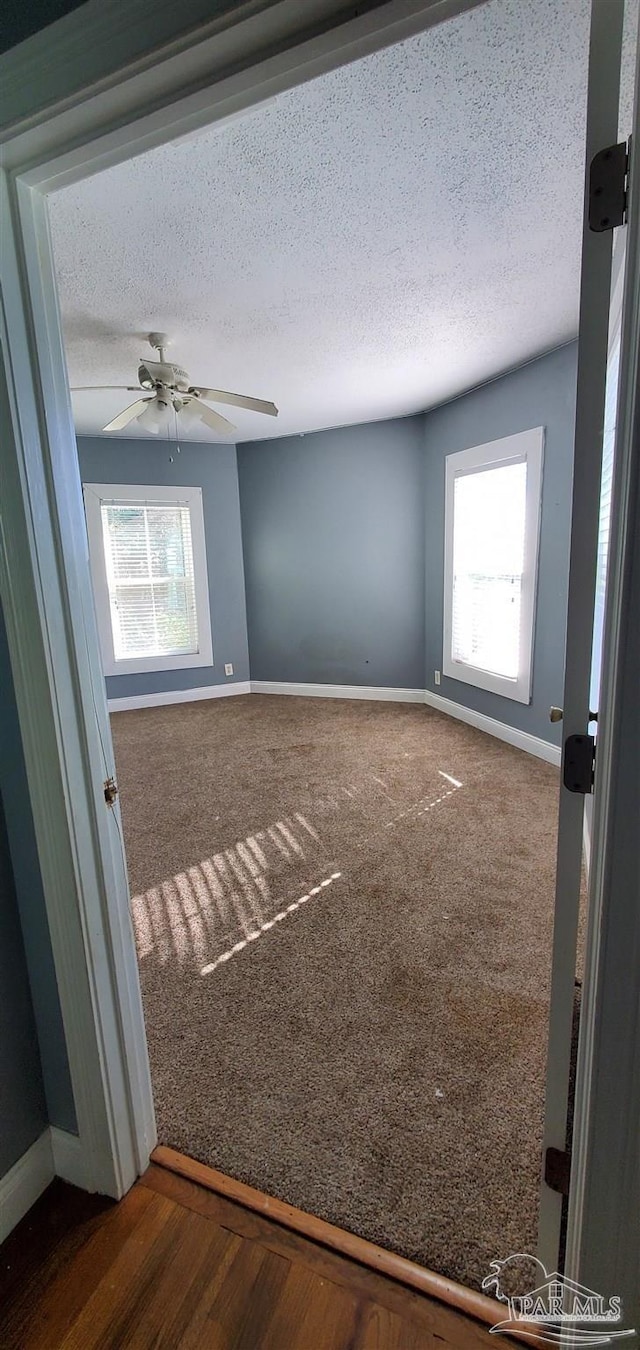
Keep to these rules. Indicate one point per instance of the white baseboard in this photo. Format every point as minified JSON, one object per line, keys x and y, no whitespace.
{"x":534,"y":745}
{"x":55,"y":1154}
{"x":68,"y":1157}
{"x":375,"y":692}
{"x":178,"y":696}
{"x":26,"y":1180}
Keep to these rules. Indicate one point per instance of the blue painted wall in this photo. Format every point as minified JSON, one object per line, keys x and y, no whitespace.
{"x":333,"y":532}
{"x":213,"y":468}
{"x":23,"y":1114}
{"x":25,"y":868}
{"x":333,"y":535}
{"x":539,"y":394}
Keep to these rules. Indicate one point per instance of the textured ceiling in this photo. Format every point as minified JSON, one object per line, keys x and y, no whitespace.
{"x":365,"y":246}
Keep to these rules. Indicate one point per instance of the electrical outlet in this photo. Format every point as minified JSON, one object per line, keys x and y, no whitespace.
{"x":228,"y":670}
{"x":436,"y":676}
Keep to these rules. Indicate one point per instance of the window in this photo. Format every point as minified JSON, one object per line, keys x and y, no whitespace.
{"x":492,"y":522}
{"x":149,"y":568}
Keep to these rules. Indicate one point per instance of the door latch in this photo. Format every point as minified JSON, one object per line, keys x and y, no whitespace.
{"x":578,"y":763}
{"x":110,"y":791}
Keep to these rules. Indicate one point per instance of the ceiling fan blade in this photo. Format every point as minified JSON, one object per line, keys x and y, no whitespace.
{"x":127,"y":415}
{"x":87,"y":388}
{"x":212,"y":419}
{"x":240,"y":400}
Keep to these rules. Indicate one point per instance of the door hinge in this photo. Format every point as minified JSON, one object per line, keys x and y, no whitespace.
{"x":110,"y":791}
{"x":608,"y":187}
{"x":579,"y":763}
{"x":557,"y":1169}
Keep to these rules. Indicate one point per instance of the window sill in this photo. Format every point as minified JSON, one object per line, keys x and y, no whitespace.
{"x":519,"y":690}
{"x":143,"y":665}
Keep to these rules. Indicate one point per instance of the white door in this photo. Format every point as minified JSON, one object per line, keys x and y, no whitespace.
{"x":599,"y":354}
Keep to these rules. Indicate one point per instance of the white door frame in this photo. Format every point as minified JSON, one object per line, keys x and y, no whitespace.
{"x":603,"y":1234}
{"x":605,"y":50}
{"x":60,"y":126}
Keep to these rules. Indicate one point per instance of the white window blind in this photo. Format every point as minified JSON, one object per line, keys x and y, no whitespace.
{"x":150,"y":575}
{"x":148,"y":559}
{"x":492,"y":515}
{"x":488,"y":559}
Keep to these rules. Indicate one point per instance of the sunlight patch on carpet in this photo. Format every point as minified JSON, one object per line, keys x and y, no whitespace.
{"x":215,"y":907}
{"x":271,"y":923}
{"x":411,"y":813}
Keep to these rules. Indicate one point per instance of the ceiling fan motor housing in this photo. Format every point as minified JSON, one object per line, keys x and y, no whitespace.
{"x":154,"y":373}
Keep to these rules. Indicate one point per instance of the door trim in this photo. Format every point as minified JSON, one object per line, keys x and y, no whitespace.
{"x":48,"y":609}
{"x":605,"y":1182}
{"x":72,"y":108}
{"x":605,"y":49}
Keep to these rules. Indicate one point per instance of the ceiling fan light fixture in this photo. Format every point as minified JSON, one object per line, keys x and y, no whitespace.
{"x":188,"y":413}
{"x":155,"y":416}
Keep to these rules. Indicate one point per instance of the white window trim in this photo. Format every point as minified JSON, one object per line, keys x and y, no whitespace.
{"x":524,"y":447}
{"x":95,"y":494}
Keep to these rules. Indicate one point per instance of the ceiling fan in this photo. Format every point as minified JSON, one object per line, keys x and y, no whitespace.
{"x":170,"y":390}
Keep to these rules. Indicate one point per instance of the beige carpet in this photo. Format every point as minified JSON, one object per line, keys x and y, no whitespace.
{"x":343,"y":913}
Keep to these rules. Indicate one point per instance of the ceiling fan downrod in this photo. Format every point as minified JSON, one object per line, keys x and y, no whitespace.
{"x":159,"y":342}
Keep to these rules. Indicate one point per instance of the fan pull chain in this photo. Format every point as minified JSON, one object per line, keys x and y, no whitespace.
{"x":175,"y":415}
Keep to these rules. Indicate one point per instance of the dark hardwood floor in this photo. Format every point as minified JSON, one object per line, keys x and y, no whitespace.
{"x":173,"y":1265}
